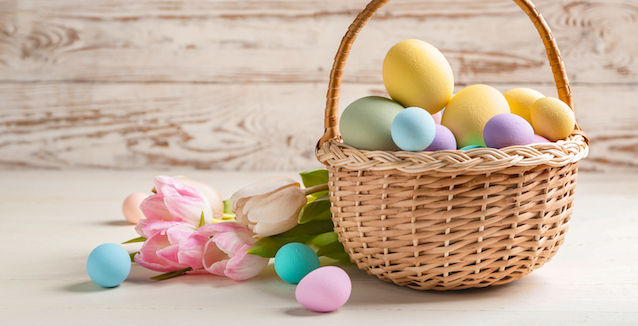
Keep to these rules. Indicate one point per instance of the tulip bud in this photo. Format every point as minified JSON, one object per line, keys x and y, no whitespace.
{"x":270,"y":206}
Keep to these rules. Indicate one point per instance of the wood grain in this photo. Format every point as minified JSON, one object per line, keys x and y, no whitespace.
{"x":245,"y":127}
{"x":290,"y":41}
{"x":241,"y":84}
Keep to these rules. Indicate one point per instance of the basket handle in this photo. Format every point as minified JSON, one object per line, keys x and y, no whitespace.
{"x":331,"y":125}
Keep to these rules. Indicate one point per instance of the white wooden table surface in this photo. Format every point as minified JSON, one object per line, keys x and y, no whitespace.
{"x":51,"y":220}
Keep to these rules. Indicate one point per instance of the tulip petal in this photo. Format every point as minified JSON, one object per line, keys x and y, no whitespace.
{"x":232,"y":242}
{"x":155,"y":228}
{"x":212,"y":195}
{"x":186,"y":208}
{"x":275,"y":207}
{"x":191,"y":251}
{"x":149,"y":258}
{"x":244,"y":266}
{"x":154,"y":208}
{"x":264,"y":229}
{"x":260,"y":188}
{"x":211,"y":258}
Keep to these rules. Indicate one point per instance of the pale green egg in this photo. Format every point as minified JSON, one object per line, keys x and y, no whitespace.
{"x":365,"y":123}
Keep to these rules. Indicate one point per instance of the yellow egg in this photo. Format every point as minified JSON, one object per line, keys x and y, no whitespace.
{"x":416,"y":73}
{"x":469,"y":110}
{"x":521,"y":100}
{"x":552,"y":118}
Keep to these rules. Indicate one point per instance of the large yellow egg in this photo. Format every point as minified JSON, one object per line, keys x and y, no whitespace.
{"x":552,"y":118}
{"x":521,"y":101}
{"x":469,"y":110}
{"x":416,"y":73}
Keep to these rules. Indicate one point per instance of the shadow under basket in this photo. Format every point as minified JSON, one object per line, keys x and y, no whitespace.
{"x":454,"y":219}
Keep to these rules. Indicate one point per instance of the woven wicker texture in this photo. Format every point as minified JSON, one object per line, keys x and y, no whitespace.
{"x":451,"y":220}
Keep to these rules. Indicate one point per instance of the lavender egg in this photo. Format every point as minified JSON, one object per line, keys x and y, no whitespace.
{"x":443,"y":139}
{"x":507,"y":129}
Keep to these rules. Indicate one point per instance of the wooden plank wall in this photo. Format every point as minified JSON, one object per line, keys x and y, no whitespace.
{"x":240,"y":85}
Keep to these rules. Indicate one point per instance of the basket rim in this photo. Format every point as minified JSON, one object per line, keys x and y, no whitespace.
{"x":570,"y":150}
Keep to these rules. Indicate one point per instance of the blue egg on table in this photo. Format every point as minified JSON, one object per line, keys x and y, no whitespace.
{"x":413,"y":129}
{"x":295,"y":260}
{"x":108,"y":265}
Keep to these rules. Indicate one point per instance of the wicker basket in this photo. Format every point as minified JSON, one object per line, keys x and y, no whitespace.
{"x":451,"y":219}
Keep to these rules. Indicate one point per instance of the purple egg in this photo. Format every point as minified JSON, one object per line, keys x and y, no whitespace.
{"x":507,"y":129}
{"x":540,"y":139}
{"x":443,"y":139}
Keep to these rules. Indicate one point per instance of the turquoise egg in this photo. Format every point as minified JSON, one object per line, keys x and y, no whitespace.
{"x":468,"y":147}
{"x":108,"y":265}
{"x":413,"y":129}
{"x":295,"y":260}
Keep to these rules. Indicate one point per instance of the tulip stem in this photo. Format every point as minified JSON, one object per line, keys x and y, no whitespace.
{"x":317,"y":188}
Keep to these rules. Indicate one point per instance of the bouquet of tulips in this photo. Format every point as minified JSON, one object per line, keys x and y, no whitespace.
{"x":188,"y":229}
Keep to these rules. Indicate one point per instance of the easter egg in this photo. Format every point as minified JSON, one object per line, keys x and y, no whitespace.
{"x":507,"y":129}
{"x":521,"y":100}
{"x":552,"y":118}
{"x":295,"y":260}
{"x":437,"y":117}
{"x":468,"y":147}
{"x":131,"y":207}
{"x":324,"y":289}
{"x":413,"y":129}
{"x":540,"y":139}
{"x":443,"y":139}
{"x":366,"y":123}
{"x":108,"y":265}
{"x":415,"y":73}
{"x":469,"y":110}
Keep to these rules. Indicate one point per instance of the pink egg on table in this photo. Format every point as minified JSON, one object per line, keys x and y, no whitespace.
{"x":507,"y":129}
{"x":443,"y":139}
{"x":540,"y":139}
{"x":437,"y":117}
{"x":131,"y":207}
{"x":324,"y":289}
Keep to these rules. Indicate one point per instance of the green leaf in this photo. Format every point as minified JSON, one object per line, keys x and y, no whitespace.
{"x":168,"y":275}
{"x":332,"y":248}
{"x":313,"y":227}
{"x":342,"y":256}
{"x":317,"y":195}
{"x":201,"y":220}
{"x":267,"y":247}
{"x":140,"y":239}
{"x":314,"y":177}
{"x":227,"y":204}
{"x":325,"y":239}
{"x":316,"y":210}
{"x":132,"y":255}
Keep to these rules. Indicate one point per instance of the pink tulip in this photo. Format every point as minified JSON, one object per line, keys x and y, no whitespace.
{"x":171,"y":246}
{"x":174,"y":201}
{"x":225,"y":254}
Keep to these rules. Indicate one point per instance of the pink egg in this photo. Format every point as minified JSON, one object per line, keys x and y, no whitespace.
{"x":324,"y":289}
{"x":540,"y":139}
{"x":507,"y":129}
{"x":437,"y":117}
{"x":131,"y":207}
{"x":443,"y":139}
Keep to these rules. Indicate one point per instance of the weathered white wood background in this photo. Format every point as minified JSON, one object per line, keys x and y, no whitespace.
{"x":240,"y":85}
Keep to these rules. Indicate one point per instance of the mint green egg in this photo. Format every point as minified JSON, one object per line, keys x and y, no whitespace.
{"x":366,"y":122}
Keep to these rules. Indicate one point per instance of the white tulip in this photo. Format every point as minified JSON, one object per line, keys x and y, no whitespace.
{"x":270,"y":206}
